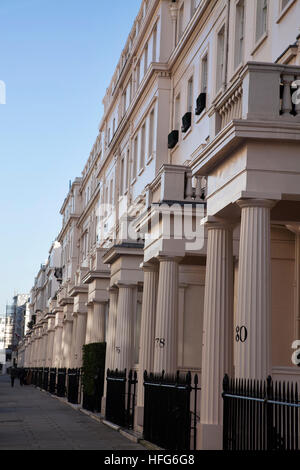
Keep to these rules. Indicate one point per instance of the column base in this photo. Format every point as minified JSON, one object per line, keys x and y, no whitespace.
{"x":211,"y":436}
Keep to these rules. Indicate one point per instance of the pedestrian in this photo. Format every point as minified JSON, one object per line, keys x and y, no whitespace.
{"x":13,"y":374}
{"x":22,"y":377}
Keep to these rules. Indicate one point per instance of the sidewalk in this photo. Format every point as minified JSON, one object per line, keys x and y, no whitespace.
{"x":32,"y":420}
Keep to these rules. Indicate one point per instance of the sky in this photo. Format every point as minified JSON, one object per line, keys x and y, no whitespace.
{"x":56,"y":59}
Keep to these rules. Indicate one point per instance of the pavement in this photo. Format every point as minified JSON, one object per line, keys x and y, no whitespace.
{"x":34,"y":420}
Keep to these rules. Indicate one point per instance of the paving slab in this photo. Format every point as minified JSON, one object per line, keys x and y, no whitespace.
{"x":33,"y":420}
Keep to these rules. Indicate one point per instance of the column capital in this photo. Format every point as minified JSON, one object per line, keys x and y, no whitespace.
{"x":212,"y":222}
{"x":266,"y":203}
{"x":168,"y":257}
{"x":128,"y":285}
{"x":112,"y":289}
{"x":149,"y":267}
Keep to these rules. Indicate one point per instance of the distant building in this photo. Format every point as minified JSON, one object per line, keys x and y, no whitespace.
{"x":2,"y":348}
{"x":15,"y":324}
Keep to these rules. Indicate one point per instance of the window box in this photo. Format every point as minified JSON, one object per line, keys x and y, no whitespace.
{"x":186,"y":122}
{"x":173,"y":139}
{"x":200,"y":104}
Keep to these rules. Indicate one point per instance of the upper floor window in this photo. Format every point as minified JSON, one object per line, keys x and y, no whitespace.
{"x":135,"y":157}
{"x":204,"y":71}
{"x":220,"y":57}
{"x":143,"y":147}
{"x":190,"y":95}
{"x":180,"y":21}
{"x":284,"y":3}
{"x":177,"y":113}
{"x":261,"y":18}
{"x":122,"y":171}
{"x":239,"y":33}
{"x":194,"y":6}
{"x":151,"y":133}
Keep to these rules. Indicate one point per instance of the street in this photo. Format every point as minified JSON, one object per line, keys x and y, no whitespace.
{"x":33,"y":420}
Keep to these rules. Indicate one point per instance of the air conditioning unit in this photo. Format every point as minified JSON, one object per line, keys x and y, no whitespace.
{"x":200,"y":103}
{"x":186,"y":122}
{"x":173,"y":139}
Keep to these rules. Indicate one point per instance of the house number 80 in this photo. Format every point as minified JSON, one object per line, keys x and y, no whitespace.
{"x":241,"y":334}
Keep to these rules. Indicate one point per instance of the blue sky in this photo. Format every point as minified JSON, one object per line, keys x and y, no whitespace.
{"x":56,"y":58}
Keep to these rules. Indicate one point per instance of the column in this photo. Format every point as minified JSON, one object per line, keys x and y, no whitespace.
{"x":89,"y":324}
{"x":124,"y":329}
{"x":44,"y":348}
{"x":73,"y":342}
{"x":165,"y":351}
{"x":49,"y":361}
{"x":217,"y":355}
{"x":146,"y":359}
{"x":66,"y":342}
{"x":58,"y":345}
{"x":99,"y":322}
{"x":252,"y":329}
{"x":80,"y":337}
{"x":111,"y":331}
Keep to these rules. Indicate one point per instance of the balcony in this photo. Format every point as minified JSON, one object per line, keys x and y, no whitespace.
{"x":261,"y":92}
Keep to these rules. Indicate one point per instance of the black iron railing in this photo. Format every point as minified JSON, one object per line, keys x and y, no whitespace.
{"x":121,"y":397}
{"x":52,"y":381}
{"x":40,"y":378}
{"x":260,"y":415}
{"x":61,"y":382}
{"x":46,"y":378}
{"x":73,"y":386}
{"x":168,"y":419}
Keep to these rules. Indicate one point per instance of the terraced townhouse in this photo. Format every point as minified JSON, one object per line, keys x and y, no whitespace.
{"x":180,"y":241}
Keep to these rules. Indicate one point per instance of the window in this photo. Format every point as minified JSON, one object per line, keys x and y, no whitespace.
{"x":135,"y":155}
{"x":190,"y":95}
{"x":151,"y":133}
{"x":204,"y":74}
{"x":239,"y":32}
{"x":154,"y":44}
{"x":284,"y":3}
{"x":194,"y":6}
{"x":138,"y":66}
{"x":220,"y":57}
{"x":127,"y":182}
{"x":261,"y":18}
{"x":180,"y":21}
{"x":177,"y":113}
{"x":146,"y":59}
{"x":122,"y":177}
{"x":143,"y":148}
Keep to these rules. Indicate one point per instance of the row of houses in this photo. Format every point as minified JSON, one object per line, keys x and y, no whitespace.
{"x":180,"y":241}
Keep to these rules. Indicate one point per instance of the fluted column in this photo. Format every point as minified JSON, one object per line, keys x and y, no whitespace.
{"x":111,"y":331}
{"x":124,"y":330}
{"x":80,"y":336}
{"x":217,"y":355}
{"x":58,"y":345}
{"x":66,"y":342}
{"x":44,"y":348}
{"x":89,"y":324}
{"x":146,"y":358}
{"x":99,"y":322}
{"x":165,"y":351}
{"x":49,"y":362}
{"x":252,"y":329}
{"x":73,"y":342}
